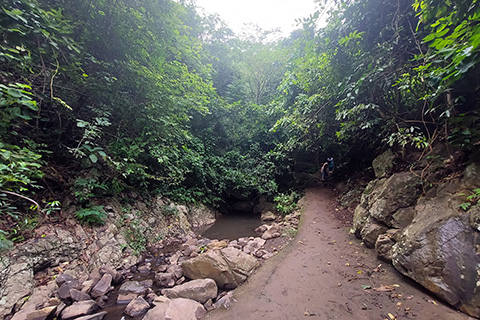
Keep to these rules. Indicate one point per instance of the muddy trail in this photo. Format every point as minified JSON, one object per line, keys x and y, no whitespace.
{"x":326,"y":273}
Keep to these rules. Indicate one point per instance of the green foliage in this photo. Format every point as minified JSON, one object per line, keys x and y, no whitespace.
{"x":5,"y":244}
{"x":287,"y":203}
{"x":471,"y":200}
{"x":93,"y":216}
{"x":135,"y":236}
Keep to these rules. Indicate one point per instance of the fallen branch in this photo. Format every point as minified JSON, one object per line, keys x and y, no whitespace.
{"x":23,"y":197}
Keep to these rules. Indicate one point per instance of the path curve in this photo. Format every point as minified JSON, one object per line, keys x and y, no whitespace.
{"x":321,"y":273}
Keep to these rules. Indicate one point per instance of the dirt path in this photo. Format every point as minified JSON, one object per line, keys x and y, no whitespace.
{"x":321,"y":274}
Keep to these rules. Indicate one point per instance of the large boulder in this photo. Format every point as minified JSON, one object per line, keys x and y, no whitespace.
{"x":80,"y":308}
{"x":200,"y":290}
{"x":440,"y":250}
{"x":383,"y":164}
{"x":175,"y":309}
{"x":401,"y":190}
{"x":228,"y":267}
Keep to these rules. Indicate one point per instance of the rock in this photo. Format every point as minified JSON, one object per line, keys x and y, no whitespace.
{"x":80,"y":308}
{"x":371,"y":231}
{"x":132,"y":287}
{"x":272,"y":232}
{"x":176,"y":270}
{"x":260,"y":229}
{"x":64,"y":290}
{"x":217,"y":245}
{"x":175,"y":309}
{"x":77,"y":295}
{"x":209,"y":305}
{"x":228,"y":267}
{"x":440,"y":250}
{"x":383,"y":246}
{"x":264,"y":205}
{"x":360,"y":218}
{"x":62,"y":278}
{"x":103,"y":286}
{"x":475,"y":217}
{"x":200,"y":290}
{"x":383,"y":164}
{"x":126,"y":298}
{"x":165,"y":279}
{"x":401,"y":190}
{"x":403,"y":217}
{"x":96,"y":316}
{"x":268,"y":216}
{"x":32,"y":314}
{"x":116,"y":276}
{"x":224,"y":302}
{"x":137,"y":307}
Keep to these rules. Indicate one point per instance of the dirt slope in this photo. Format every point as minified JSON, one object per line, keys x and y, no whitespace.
{"x":321,"y":274}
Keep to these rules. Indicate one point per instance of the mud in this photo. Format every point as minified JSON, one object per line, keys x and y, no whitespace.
{"x":325,"y":273}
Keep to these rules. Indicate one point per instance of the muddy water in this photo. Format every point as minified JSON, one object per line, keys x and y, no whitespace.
{"x":233,"y":226}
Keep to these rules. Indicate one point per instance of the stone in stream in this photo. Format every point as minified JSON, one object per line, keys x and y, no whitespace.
{"x":103,"y":286}
{"x":78,"y":309}
{"x":132,"y":287}
{"x":200,"y":290}
{"x":116,"y":276}
{"x":228,"y":267}
{"x":64,"y":290}
{"x":137,"y":307}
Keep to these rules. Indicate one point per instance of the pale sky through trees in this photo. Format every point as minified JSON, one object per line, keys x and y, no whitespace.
{"x":268,"y":14}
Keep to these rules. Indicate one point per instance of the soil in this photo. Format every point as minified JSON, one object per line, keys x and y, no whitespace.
{"x":326,"y":273}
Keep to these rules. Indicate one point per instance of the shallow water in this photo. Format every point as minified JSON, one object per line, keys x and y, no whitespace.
{"x":233,"y":226}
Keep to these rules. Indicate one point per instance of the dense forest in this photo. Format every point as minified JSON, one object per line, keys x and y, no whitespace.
{"x":100,"y":98}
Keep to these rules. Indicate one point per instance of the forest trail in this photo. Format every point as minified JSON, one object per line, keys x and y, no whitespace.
{"x":320,"y":276}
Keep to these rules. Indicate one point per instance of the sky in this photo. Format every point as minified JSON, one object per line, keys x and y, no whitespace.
{"x":268,"y":14}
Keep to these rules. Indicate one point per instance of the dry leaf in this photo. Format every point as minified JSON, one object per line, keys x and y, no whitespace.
{"x":384,"y":289}
{"x":391,"y":316}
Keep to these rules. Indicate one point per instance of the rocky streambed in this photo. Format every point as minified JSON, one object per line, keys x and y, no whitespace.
{"x":179,"y":277}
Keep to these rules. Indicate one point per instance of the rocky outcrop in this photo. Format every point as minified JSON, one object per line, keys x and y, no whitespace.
{"x":228,"y":267}
{"x":429,"y":239}
{"x":383,"y":164}
{"x":440,"y":249}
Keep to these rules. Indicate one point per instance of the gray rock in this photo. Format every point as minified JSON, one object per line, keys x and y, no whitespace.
{"x":64,"y":290}
{"x":268,"y":216}
{"x":403,"y":217}
{"x":200,"y":290}
{"x":228,"y":267}
{"x":137,"y":307}
{"x":77,"y":295}
{"x":132,"y":287}
{"x":62,"y":278}
{"x":384,"y":246}
{"x":176,"y":309}
{"x":165,"y":279}
{"x":371,"y":231}
{"x":80,"y":308}
{"x":32,"y":314}
{"x":116,"y":276}
{"x":401,"y":190}
{"x":103,"y":286}
{"x":383,"y":164}
{"x":126,"y":298}
{"x":439,"y":250}
{"x":224,"y":302}
{"x":474,"y":213}
{"x":176,"y":270}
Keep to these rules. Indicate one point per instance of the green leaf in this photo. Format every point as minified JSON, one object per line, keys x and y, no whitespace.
{"x":93,"y":158}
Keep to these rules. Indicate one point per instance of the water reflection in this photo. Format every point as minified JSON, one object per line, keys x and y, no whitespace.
{"x":233,"y":226}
